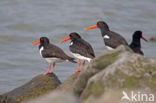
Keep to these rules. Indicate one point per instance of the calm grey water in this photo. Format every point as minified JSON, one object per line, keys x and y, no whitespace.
{"x":23,"y":22}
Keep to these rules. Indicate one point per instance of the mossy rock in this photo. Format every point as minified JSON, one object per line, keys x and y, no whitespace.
{"x":106,"y":60}
{"x":68,"y":84}
{"x":97,"y":65}
{"x":39,"y":85}
{"x":95,"y":88}
{"x":126,"y":71}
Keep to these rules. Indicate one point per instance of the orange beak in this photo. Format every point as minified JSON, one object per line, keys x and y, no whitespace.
{"x":36,"y":43}
{"x":91,"y":27}
{"x":62,"y":41}
{"x":144,"y":39}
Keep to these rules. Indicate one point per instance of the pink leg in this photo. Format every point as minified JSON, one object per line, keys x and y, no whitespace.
{"x":79,"y":66}
{"x":48,"y":71}
{"x":52,"y":69}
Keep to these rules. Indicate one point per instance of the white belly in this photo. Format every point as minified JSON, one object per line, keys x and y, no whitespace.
{"x":107,"y":37}
{"x":109,"y":48}
{"x":50,"y":60}
{"x":81,"y":57}
{"x":53,"y":60}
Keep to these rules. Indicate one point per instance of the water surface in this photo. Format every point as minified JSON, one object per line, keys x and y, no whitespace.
{"x":23,"y":22}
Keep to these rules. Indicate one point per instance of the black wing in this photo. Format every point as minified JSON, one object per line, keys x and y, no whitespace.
{"x":54,"y":51}
{"x":115,"y":40}
{"x":83,"y":48}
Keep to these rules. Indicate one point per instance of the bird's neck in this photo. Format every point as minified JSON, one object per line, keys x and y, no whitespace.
{"x":104,"y":31}
{"x":43,"y":45}
{"x":74,"y":39}
{"x":40,"y":46}
{"x":136,"y":42}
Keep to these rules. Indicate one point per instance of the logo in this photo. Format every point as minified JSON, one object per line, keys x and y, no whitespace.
{"x":137,"y":97}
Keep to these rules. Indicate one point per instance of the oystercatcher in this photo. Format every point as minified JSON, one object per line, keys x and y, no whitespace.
{"x":51,"y":54}
{"x":81,"y":49}
{"x":111,"y":39}
{"x":136,"y":44}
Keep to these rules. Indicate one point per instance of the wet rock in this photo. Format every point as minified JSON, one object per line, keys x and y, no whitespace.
{"x":39,"y":85}
{"x":153,"y":38}
{"x":5,"y":99}
{"x":121,"y":70}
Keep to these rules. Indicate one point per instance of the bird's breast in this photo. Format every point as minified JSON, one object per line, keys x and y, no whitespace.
{"x":40,"y":50}
{"x":106,"y":37}
{"x":71,"y":43}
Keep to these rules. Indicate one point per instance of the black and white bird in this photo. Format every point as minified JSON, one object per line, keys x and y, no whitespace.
{"x":52,"y":54}
{"x":81,"y":49}
{"x":136,"y":43}
{"x":111,"y":39}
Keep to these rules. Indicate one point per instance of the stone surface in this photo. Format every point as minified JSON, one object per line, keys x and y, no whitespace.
{"x":56,"y":97}
{"x":68,"y":84}
{"x":104,"y":80}
{"x":5,"y":99}
{"x":97,"y":65}
{"x":126,"y":71}
{"x":39,"y":85}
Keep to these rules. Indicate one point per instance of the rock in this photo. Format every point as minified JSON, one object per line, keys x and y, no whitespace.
{"x":5,"y":99}
{"x":153,"y":38}
{"x":56,"y":97}
{"x":121,"y":70}
{"x":68,"y":84}
{"x":105,"y":80}
{"x":39,"y":85}
{"x":97,"y":65}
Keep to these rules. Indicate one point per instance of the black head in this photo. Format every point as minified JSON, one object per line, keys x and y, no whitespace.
{"x":102,"y":25}
{"x":74,"y":35}
{"x":137,"y":34}
{"x":44,"y":40}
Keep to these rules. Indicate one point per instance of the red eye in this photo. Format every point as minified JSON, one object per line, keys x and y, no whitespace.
{"x":71,"y":35}
{"x":98,"y":24}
